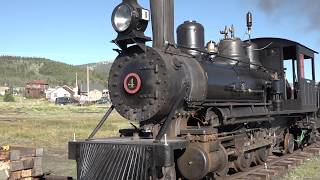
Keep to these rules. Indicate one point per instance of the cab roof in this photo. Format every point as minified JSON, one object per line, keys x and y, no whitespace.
{"x":291,"y":46}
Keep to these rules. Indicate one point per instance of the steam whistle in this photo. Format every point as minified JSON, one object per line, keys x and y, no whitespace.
{"x":249,"y":23}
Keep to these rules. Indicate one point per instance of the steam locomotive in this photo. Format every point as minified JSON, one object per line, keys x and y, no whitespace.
{"x":200,"y":110}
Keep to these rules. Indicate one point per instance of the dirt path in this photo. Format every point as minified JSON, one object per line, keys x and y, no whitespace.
{"x":56,"y":162}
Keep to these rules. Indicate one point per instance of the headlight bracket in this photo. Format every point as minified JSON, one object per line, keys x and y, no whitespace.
{"x":134,"y":32}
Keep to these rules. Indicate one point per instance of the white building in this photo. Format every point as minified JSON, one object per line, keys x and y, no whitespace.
{"x":76,"y":92}
{"x":94,"y":95}
{"x":48,"y":92}
{"x":105,"y":93}
{"x":59,"y":92}
{"x":3,"y":90}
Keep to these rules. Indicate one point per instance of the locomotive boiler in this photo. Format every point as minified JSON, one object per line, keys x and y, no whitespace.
{"x":199,"y":109}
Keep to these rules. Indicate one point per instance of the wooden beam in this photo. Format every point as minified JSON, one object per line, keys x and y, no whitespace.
{"x":25,"y":163}
{"x":14,"y":155}
{"x":24,"y":151}
{"x":15,"y":175}
{"x":26,"y":173}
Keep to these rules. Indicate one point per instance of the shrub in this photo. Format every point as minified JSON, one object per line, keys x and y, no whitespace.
{"x":8,"y":97}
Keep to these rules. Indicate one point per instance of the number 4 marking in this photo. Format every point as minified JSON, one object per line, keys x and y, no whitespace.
{"x":131,"y":83}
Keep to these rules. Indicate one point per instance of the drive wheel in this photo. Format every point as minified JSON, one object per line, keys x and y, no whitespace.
{"x":261,"y":155}
{"x":244,"y":161}
{"x":224,"y":168}
{"x":288,"y":144}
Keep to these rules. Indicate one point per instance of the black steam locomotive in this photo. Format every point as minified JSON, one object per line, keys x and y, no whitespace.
{"x":201,"y":109}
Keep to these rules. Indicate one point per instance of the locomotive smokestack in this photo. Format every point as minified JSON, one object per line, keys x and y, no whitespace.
{"x":162,"y":15}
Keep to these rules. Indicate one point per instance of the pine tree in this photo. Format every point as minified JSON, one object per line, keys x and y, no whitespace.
{"x":8,"y":97}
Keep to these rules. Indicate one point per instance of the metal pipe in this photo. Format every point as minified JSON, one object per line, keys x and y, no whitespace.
{"x":162,"y":16}
{"x":313,"y":68}
{"x":102,"y":121}
{"x":164,"y":128}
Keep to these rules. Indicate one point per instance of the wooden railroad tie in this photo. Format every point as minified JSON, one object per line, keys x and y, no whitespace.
{"x":276,"y":167}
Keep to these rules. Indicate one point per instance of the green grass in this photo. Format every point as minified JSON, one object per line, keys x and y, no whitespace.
{"x":38,"y":123}
{"x":309,"y":170}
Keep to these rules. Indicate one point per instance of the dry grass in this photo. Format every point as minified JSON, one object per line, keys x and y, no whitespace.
{"x":40,"y":124}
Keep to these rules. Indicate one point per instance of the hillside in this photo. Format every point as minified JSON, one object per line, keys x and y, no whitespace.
{"x":99,"y":67}
{"x":16,"y":71}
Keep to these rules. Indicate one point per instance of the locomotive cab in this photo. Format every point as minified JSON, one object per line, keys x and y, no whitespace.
{"x":295,"y":65}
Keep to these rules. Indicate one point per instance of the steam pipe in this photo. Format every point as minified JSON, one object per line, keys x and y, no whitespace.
{"x":162,"y":16}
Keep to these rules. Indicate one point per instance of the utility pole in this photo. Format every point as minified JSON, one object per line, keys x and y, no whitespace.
{"x":77,"y":86}
{"x":88,"y":80}
{"x":76,"y":79}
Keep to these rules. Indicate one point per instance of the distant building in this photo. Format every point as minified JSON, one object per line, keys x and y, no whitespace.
{"x":93,"y":85}
{"x":70,"y":90}
{"x":48,"y":92}
{"x":36,"y":89}
{"x":77,"y":92}
{"x":3,"y":90}
{"x":18,"y":90}
{"x":94,"y":95}
{"x":105,"y":93}
{"x":59,"y":92}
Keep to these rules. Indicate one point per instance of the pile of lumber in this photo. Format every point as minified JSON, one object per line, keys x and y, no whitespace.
{"x":20,"y":163}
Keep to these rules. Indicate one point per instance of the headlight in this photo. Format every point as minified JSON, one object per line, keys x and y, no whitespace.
{"x":122,"y":17}
{"x":130,"y":20}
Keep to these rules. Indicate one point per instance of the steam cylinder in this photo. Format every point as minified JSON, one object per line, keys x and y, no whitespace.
{"x":190,"y":34}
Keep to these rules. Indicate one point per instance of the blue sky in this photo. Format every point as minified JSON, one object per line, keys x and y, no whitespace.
{"x":80,"y":31}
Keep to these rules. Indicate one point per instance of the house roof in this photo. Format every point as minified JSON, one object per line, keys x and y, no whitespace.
{"x":57,"y":89}
{"x":67,"y":88}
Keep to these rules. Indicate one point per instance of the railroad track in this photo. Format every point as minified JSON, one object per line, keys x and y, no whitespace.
{"x":277,"y":166}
